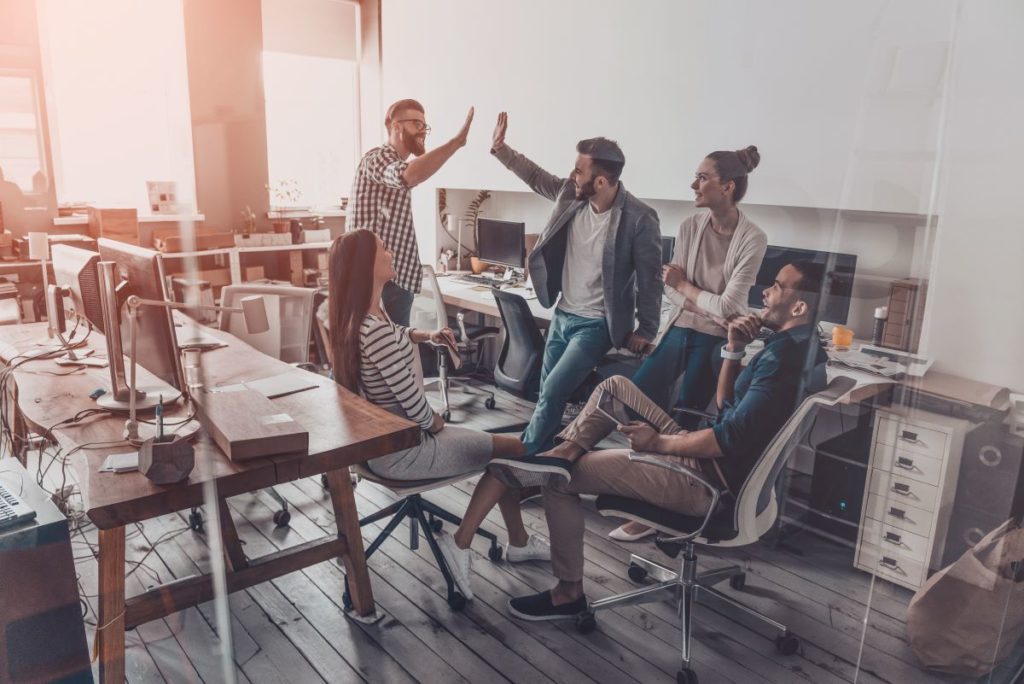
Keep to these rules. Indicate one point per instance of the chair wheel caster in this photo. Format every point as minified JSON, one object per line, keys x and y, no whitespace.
{"x":282,"y":518}
{"x":323,"y":481}
{"x":490,"y":403}
{"x":636,"y":573}
{"x":447,"y":415}
{"x":494,"y":553}
{"x":346,"y":600}
{"x":436,"y":525}
{"x":686,"y":676}
{"x":787,"y":645}
{"x":738,"y":582}
{"x":457,"y":601}
{"x":586,"y":623}
{"x":195,"y":521}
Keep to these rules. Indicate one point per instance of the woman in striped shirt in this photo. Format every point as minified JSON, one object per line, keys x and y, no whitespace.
{"x":376,"y":358}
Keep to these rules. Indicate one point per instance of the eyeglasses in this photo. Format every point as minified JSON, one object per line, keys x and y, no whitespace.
{"x":419,"y":125}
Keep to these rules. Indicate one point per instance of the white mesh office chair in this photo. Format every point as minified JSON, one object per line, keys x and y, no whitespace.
{"x":429,"y":313}
{"x":289,"y":311}
{"x":738,"y":522}
{"x":290,"y":314}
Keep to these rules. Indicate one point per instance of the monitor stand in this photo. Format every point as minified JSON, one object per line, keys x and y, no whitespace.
{"x":147,"y":399}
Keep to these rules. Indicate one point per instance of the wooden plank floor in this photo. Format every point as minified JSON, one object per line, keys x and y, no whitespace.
{"x":292,"y":629}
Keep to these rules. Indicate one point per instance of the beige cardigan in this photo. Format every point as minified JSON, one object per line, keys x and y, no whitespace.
{"x":742,"y":261}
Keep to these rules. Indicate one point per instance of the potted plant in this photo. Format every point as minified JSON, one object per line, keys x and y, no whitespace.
{"x":471,"y":215}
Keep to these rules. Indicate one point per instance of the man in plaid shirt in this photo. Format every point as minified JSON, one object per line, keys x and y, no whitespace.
{"x":381,"y":196}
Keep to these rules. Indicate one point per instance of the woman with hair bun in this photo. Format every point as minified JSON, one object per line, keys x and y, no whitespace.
{"x":717,"y":256}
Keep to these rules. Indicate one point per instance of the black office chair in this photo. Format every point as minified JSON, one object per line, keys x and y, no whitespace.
{"x":741,"y":520}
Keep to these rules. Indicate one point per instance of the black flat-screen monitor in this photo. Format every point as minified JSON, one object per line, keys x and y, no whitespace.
{"x":501,"y":242}
{"x":837,"y":288}
{"x":668,"y":248}
{"x":155,"y":343}
{"x":75,"y":269}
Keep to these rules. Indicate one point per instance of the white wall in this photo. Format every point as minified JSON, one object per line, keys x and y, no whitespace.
{"x":975,"y":324}
{"x":842,"y":98}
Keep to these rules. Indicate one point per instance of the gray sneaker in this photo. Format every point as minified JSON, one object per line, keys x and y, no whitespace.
{"x":460,"y":563}
{"x":536,"y":548}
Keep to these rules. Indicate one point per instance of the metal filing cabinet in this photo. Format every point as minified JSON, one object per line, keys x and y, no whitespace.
{"x":912,"y":475}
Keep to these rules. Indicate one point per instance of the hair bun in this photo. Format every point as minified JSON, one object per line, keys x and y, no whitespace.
{"x":749,"y":157}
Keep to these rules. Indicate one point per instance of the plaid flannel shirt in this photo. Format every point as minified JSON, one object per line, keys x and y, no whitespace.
{"x":381,"y":202}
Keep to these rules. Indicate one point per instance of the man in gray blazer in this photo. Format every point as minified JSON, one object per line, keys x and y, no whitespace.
{"x":599,"y":259}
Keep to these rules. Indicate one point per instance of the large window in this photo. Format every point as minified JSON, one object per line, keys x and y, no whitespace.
{"x":22,"y":156}
{"x":312,"y":149}
{"x":311,"y":88}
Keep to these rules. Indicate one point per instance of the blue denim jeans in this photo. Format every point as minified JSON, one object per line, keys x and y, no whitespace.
{"x":574,"y":346}
{"x":686,"y":352}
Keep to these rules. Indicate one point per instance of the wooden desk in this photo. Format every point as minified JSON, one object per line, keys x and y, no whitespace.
{"x":344,"y":429}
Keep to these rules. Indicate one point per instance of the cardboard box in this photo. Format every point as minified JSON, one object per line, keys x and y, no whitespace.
{"x":116,"y":224}
{"x":171,"y":240}
{"x":254,"y":273}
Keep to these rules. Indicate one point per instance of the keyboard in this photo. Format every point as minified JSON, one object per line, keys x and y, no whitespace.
{"x":12,"y":509}
{"x":477,"y":279}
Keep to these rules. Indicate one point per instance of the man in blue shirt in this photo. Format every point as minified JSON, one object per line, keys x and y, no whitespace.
{"x":753,"y":402}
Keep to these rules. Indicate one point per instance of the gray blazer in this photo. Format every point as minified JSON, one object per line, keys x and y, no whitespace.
{"x":631,"y":274}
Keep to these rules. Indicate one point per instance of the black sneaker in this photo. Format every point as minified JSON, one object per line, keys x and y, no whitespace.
{"x":530,"y":471}
{"x":537,"y":607}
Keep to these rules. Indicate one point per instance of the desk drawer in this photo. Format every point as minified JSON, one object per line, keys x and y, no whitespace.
{"x":902,"y":571}
{"x":892,"y":541}
{"x":899,"y":490}
{"x":901,"y":433}
{"x":907,"y":464}
{"x":898,"y":515}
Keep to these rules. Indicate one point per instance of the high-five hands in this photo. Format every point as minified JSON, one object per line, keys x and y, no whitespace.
{"x":498,"y":139}
{"x":463,"y":134}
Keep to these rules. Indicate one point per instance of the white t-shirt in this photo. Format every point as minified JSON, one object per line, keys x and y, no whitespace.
{"x":582,"y":287}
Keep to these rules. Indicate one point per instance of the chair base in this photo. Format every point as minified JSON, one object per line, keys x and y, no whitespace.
{"x":686,"y":587}
{"x":426,"y":518}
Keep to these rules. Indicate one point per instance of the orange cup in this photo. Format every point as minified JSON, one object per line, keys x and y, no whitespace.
{"x":842,"y":337}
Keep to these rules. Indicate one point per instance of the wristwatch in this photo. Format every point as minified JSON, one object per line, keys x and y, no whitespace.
{"x":733,"y":356}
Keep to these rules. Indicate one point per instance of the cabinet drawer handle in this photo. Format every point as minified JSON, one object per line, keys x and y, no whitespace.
{"x":897,"y":512}
{"x":905,"y":463}
{"x":893,"y":538}
{"x":901,"y":488}
{"x":908,"y":436}
{"x":890,"y":563}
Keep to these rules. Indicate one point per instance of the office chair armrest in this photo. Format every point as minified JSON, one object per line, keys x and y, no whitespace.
{"x":667,"y":463}
{"x":683,"y":411}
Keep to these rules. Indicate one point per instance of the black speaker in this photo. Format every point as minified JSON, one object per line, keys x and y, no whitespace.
{"x":990,"y":488}
{"x":837,"y":495}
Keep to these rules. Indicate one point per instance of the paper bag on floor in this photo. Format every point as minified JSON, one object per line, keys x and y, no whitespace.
{"x":968,"y":617}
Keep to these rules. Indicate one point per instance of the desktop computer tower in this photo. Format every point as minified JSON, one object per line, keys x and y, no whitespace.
{"x":990,"y":489}
{"x":837,"y":495}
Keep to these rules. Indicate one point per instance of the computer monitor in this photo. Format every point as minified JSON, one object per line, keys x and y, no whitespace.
{"x":76,"y":271}
{"x":139,"y":272}
{"x":501,"y":242}
{"x":668,"y":248}
{"x":837,"y":290}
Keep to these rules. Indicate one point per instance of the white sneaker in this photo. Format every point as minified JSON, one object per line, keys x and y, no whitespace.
{"x":460,"y":563}
{"x":536,"y":548}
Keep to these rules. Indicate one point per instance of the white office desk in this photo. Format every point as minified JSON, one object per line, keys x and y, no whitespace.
{"x":478,"y":298}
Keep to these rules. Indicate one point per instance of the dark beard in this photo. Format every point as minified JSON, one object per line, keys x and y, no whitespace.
{"x":585,"y":191}
{"x":413,"y":144}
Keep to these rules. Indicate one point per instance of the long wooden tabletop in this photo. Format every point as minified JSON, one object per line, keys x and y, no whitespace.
{"x":343,"y":428}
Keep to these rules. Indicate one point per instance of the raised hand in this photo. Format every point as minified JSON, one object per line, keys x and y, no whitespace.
{"x":498,"y":139}
{"x":463,"y":134}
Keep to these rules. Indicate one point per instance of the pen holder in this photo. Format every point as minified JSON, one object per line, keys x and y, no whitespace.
{"x":166,"y":460}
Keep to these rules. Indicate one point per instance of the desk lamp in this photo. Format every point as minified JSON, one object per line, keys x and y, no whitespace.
{"x":252,"y":308}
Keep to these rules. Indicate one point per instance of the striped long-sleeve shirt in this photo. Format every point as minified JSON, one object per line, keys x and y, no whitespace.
{"x":387,"y":371}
